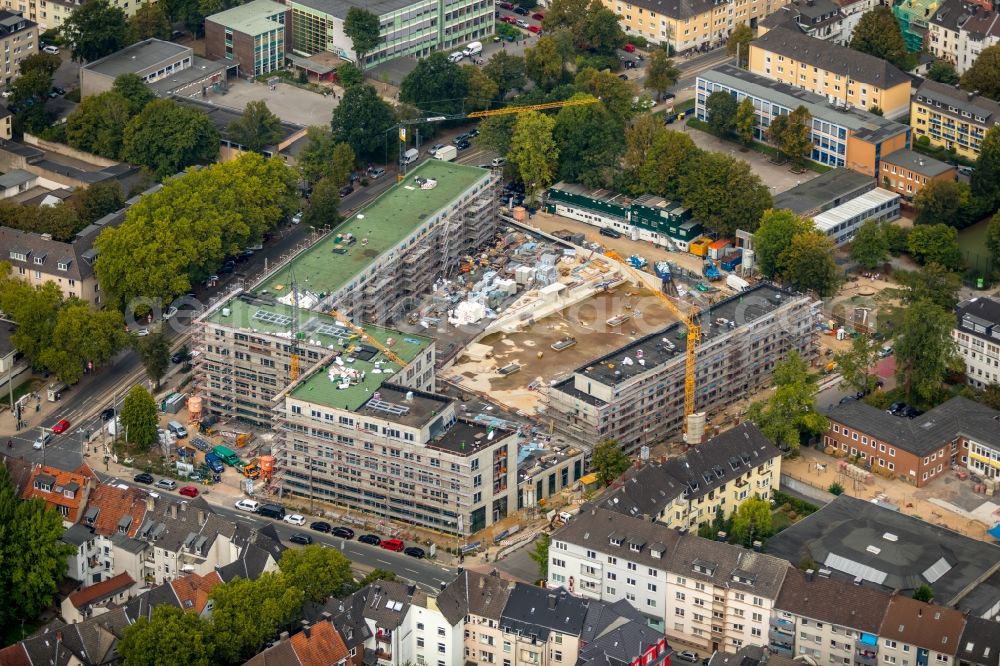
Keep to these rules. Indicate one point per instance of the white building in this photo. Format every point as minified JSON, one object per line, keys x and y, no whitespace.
{"x":842,"y":222}
{"x":977,"y":335}
{"x":960,"y":30}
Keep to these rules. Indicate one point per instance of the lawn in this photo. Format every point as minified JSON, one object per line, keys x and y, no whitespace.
{"x":29,"y":385}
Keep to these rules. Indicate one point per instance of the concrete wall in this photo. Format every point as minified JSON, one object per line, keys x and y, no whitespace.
{"x":66,"y":151}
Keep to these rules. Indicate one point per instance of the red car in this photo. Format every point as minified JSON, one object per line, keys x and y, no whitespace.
{"x":392,"y":544}
{"x":188,"y":491}
{"x":509,"y":19}
{"x":61,"y":427}
{"x":535,"y":29}
{"x":629,"y":48}
{"x":538,"y":16}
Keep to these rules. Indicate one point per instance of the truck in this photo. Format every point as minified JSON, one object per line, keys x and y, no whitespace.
{"x":214,"y":462}
{"x":446,"y":153}
{"x":736,"y":283}
{"x":410,"y":156}
{"x":227,"y":455}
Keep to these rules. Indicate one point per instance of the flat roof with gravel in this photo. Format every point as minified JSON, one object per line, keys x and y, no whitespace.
{"x":322,"y":333}
{"x":378,"y":227}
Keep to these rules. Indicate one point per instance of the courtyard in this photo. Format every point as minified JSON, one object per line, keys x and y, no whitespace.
{"x":288,"y":102}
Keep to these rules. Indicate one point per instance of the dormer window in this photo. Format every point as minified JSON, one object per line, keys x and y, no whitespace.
{"x":615,"y":541}
{"x":63,"y":265}
{"x":40,"y":260}
{"x":634,"y":547}
{"x":18,"y":255}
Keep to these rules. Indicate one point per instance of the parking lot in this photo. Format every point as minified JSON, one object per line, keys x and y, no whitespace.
{"x":288,"y":102}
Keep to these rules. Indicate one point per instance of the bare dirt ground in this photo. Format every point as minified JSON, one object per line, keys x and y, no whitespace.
{"x":948,"y":501}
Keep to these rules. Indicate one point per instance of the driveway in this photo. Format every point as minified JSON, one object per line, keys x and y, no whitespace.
{"x":288,"y":102}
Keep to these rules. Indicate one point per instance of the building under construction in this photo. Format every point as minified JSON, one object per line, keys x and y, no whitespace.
{"x":635,"y":394}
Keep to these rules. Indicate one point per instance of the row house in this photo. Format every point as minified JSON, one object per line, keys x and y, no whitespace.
{"x":960,"y":30}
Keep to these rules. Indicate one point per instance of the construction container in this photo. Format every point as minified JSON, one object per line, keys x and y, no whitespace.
{"x":718,"y":248}
{"x":730,"y":261}
{"x":699,"y":247}
{"x":174,"y":403}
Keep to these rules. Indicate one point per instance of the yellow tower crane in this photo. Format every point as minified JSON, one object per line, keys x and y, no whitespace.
{"x":367,"y":338}
{"x":690,"y":321}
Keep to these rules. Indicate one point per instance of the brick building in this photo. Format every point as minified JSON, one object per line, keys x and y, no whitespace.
{"x":252,"y":35}
{"x":907,"y":172}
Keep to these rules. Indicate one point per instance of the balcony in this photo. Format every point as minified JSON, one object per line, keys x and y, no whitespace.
{"x":865,"y":658}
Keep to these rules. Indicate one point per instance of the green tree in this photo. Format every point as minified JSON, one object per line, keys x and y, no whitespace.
{"x":835,"y":489}
{"x":349,"y":75}
{"x":171,"y":637}
{"x":941,"y":202}
{"x":661,"y":73}
{"x":796,"y":137}
{"x":993,"y":238}
{"x":343,"y":163}
{"x":985,"y":180}
{"x":149,"y":21}
{"x":376,"y":574}
{"x":738,"y":44}
{"x":435,"y":84}
{"x":318,"y":571}
{"x":507,"y":71}
{"x":323,"y":204}
{"x":362,"y":120}
{"x":878,"y":34}
{"x":34,"y":310}
{"x":543,"y":63}
{"x":97,"y":125}
{"x":870,"y":246}
{"x":33,"y":555}
{"x":984,"y":75}
{"x":669,"y":156}
{"x":639,"y":137}
{"x":154,"y":353}
{"x":248,"y":612}
{"x":924,"y":350}
{"x":774,"y":236}
{"x":316,"y":159}
{"x":46,"y":63}
{"x":166,"y":137}
{"x":721,"y":108}
{"x":495,"y":133}
{"x":482,"y":90}
{"x":82,"y":335}
{"x":138,"y":418}
{"x":943,"y":71}
{"x":924,"y":593}
{"x":809,"y":265}
{"x":935,"y":243}
{"x":590,"y":145}
{"x":608,"y":461}
{"x":569,"y":14}
{"x":932,"y":282}
{"x":361,"y":26}
{"x":789,"y":417}
{"x":540,"y":554}
{"x":724,"y":193}
{"x":256,"y":129}
{"x":28,"y":94}
{"x":98,"y":200}
{"x":745,"y":121}
{"x":533,"y":151}
{"x":897,"y":237}
{"x":776,"y":129}
{"x":752,"y":520}
{"x":615,"y":94}
{"x":603,"y":33}
{"x":94,"y":30}
{"x":856,"y":365}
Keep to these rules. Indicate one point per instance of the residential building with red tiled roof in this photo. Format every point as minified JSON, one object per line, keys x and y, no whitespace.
{"x":66,"y":492}
{"x":317,"y":645}
{"x":93,"y":600}
{"x":192,"y":591}
{"x":115,"y":509}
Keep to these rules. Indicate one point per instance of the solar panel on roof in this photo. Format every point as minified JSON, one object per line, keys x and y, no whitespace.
{"x":272,"y":318}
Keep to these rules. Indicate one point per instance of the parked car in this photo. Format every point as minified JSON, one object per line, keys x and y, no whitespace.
{"x":392,"y":544}
{"x":535,"y":29}
{"x":42,"y":440}
{"x":377,"y":173}
{"x":521,"y":23}
{"x":370,"y":539}
{"x":143,"y":477}
{"x":895,"y":408}
{"x":474,"y":132}
{"x":538,"y":16}
{"x":297,"y":217}
{"x":413,"y":551}
{"x":166,"y":484}
{"x":498,"y":162}
{"x":505,"y":5}
{"x":295,"y":519}
{"x":248,"y":505}
{"x":188,"y":491}
{"x":610,"y":233}
{"x":60,"y":427}
{"x":142,"y":332}
{"x":910,"y":412}
{"x":299,"y":538}
{"x":230,"y":266}
{"x":344,"y":191}
{"x":108,"y":414}
{"x":630,"y":48}
{"x":687,"y":655}
{"x":170,"y":313}
{"x":343,"y":532}
{"x":463,"y":145}
{"x":52,"y":50}
{"x":460,"y":138}
{"x":520,"y":10}
{"x":178,"y":357}
{"x":433,"y":149}
{"x":320,"y":526}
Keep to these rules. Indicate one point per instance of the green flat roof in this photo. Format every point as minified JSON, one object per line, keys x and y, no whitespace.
{"x":319,"y":330}
{"x":378,"y":227}
{"x":253,"y":18}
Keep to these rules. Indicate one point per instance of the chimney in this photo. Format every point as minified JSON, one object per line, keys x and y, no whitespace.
{"x":722,"y":536}
{"x":173,"y":511}
{"x":202,"y":516}
{"x":482,"y":582}
{"x":920,"y":611}
{"x":326,"y":615}
{"x":283,"y":636}
{"x":444,"y":585}
{"x":810,"y":574}
{"x":150,"y":504}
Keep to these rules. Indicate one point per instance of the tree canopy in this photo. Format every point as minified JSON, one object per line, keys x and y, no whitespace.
{"x":924,"y":350}
{"x":97,"y":125}
{"x":318,"y":571}
{"x":95,"y":29}
{"x":362,"y":120}
{"x":985,"y":179}
{"x":856,"y":365}
{"x":248,"y":612}
{"x":138,"y":417}
{"x":984,"y":75}
{"x":661,"y":72}
{"x":943,"y":71}
{"x":435,"y":85}
{"x":361,"y":26}
{"x":809,"y":264}
{"x":543,"y":63}
{"x":171,"y":637}
{"x":942,"y":202}
{"x":609,"y":461}
{"x":256,"y":129}
{"x":935,"y":243}
{"x":752,"y":520}
{"x":149,"y":21}
{"x":878,"y":34}
{"x":724,"y":193}
{"x":167,"y":137}
{"x":507,"y":71}
{"x":533,"y":151}
{"x":773,"y":238}
{"x":870,"y":246}
{"x":721,"y":108}
{"x":324,"y":204}
{"x":590,"y":146}
{"x":738,"y":43}
{"x":789,"y":417}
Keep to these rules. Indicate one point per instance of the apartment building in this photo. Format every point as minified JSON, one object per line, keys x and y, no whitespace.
{"x":50,"y":14}
{"x":81,"y":604}
{"x":744,"y":336}
{"x":412,"y":28}
{"x":687,"y":491}
{"x":397,"y":453}
{"x":820,"y":19}
{"x":959,"y":432}
{"x":821,"y":620}
{"x":842,"y":136}
{"x":978,"y":32}
{"x":64,"y":491}
{"x":18,"y":38}
{"x":980,"y":643}
{"x":390,"y":253}
{"x":252,"y":35}
{"x":952,"y":118}
{"x":319,"y":644}
{"x":907,"y":172}
{"x":913,"y":632}
{"x":862,"y":543}
{"x":838,"y":73}
{"x":977,"y":337}
{"x":913,"y":17}
{"x":704,"y":594}
{"x":252,"y":347}
{"x":852,"y":11}
{"x":842,"y":222}
{"x":167,"y":68}
{"x":480,"y":598}
{"x":689,"y":25}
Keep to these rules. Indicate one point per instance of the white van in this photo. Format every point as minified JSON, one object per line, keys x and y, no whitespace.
{"x":473,"y":49}
{"x":410,"y":156}
{"x":177,"y":429}
{"x":456,"y":56}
